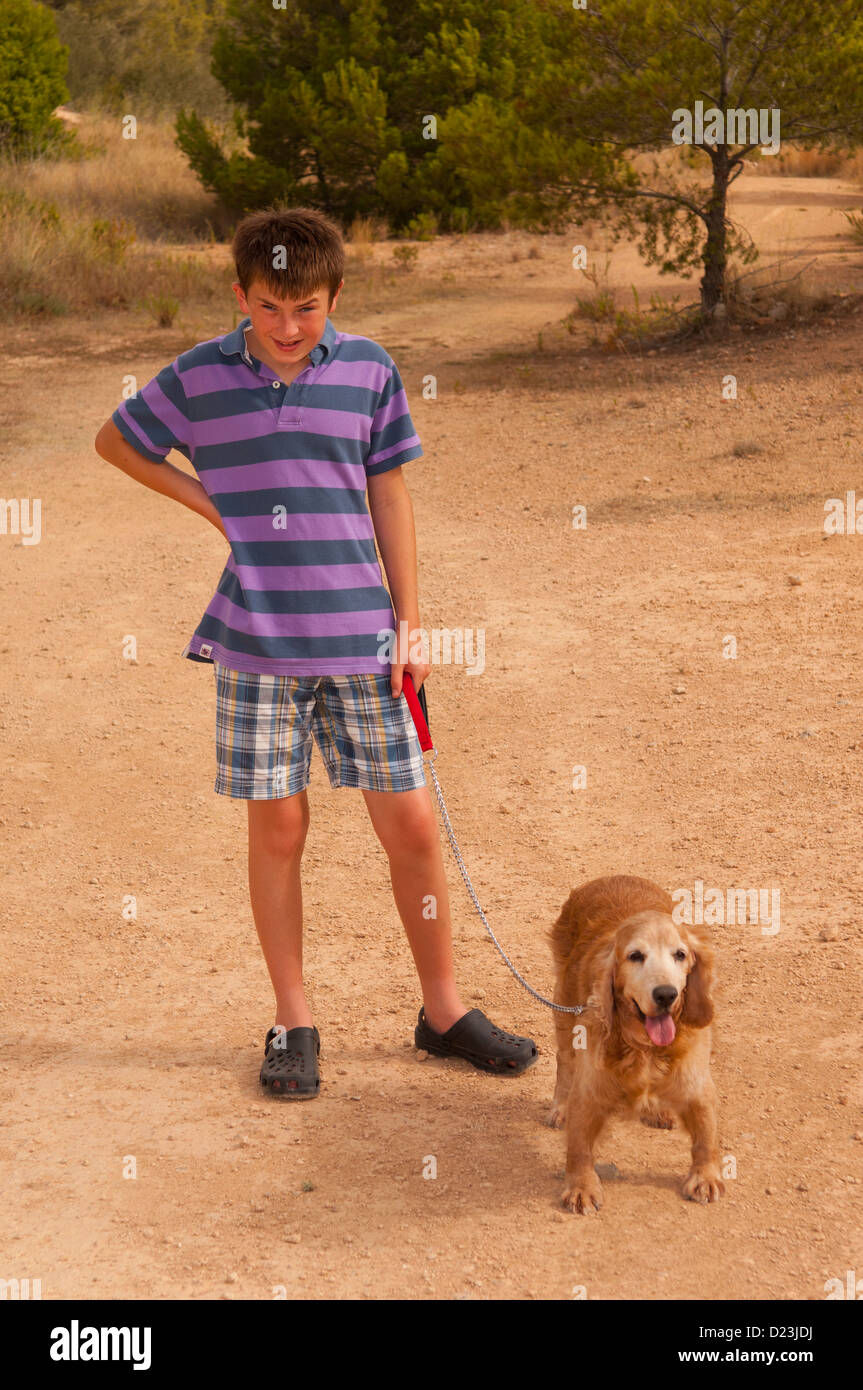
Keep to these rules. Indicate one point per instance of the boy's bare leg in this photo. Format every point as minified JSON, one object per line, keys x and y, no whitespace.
{"x":406,"y":826}
{"x":277,"y":834}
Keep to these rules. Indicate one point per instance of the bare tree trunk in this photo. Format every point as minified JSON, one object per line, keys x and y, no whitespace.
{"x":716,"y":249}
{"x":322,"y":184}
{"x":715,"y":252}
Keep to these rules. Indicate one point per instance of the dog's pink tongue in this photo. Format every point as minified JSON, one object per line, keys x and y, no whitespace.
{"x":660,"y":1030}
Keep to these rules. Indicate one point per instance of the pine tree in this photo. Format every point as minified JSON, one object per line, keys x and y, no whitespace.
{"x":338,"y":101}
{"x":618,"y":80}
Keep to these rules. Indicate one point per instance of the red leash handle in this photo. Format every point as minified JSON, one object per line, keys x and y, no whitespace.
{"x":419,"y":719}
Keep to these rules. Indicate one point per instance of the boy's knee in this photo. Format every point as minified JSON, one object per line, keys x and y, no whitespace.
{"x":417,"y":832}
{"x":279,"y":827}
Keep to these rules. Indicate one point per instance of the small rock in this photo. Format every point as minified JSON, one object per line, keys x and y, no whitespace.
{"x":232,"y":1278}
{"x":422,"y":1055}
{"x":294,"y":1238}
{"x":795,"y":579}
{"x":678,"y":690}
{"x":829,"y":933}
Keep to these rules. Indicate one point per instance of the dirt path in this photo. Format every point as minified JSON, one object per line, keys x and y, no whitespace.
{"x":604,"y":648}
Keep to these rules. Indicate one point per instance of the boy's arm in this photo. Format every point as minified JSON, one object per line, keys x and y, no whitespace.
{"x":111,"y":445}
{"x":392,"y":515}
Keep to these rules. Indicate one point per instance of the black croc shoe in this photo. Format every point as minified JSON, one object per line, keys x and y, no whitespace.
{"x":290,"y":1066}
{"x":475,"y":1038}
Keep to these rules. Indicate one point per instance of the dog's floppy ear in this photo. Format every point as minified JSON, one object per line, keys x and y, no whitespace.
{"x":602,"y":995}
{"x":697,"y":1009}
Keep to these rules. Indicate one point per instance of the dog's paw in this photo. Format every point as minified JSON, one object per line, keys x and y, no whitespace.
{"x":703,"y":1185}
{"x":556,"y":1115}
{"x":658,"y":1119}
{"x":584,"y":1196}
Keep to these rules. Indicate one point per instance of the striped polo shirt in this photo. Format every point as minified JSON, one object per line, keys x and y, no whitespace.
{"x":286,"y":467}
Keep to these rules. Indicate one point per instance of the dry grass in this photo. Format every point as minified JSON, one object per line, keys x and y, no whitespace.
{"x":365,"y":233}
{"x":145,"y":181}
{"x":855,"y":226}
{"x":785,"y":291}
{"x":124,"y":224}
{"x":793,"y":162}
{"x":688,"y":161}
{"x":56,"y":264}
{"x":770,"y":297}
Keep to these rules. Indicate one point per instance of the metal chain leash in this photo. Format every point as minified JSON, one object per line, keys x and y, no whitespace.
{"x":561,"y":1008}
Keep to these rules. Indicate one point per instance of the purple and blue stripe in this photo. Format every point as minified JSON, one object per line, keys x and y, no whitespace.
{"x":286,"y":467}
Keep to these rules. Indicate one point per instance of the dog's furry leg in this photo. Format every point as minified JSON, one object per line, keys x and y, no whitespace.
{"x":584,"y":1123}
{"x":565,"y":1068}
{"x":703,"y":1182}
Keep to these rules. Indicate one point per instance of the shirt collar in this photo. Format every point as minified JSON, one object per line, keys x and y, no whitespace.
{"x":234,"y":343}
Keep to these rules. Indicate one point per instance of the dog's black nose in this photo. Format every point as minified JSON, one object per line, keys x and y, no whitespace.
{"x":664,"y":996}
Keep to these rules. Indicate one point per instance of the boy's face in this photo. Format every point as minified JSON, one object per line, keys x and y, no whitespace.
{"x":285,"y":329}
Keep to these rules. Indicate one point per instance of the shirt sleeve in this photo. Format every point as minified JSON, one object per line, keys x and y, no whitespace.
{"x":155,"y":420}
{"x":394,"y":440}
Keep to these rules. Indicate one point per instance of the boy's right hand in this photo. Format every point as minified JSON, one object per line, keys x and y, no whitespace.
{"x":161,"y":477}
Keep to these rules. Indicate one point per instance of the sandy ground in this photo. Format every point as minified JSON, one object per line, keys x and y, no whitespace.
{"x":142,"y":1039}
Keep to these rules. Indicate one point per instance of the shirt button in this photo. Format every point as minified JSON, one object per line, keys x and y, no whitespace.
{"x":277,"y":383}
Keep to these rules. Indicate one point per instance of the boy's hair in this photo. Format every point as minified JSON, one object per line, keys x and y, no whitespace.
{"x":313,"y":253}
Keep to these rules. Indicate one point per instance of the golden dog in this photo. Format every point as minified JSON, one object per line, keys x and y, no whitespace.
{"x":645,"y":1049}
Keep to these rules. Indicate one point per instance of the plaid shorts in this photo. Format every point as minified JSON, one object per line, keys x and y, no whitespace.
{"x":265,"y":724}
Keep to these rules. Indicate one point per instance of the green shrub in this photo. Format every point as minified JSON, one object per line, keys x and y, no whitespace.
{"x":163,"y":307}
{"x":32,"y":77}
{"x":136,"y":55}
{"x":13,"y":201}
{"x":423,"y":227}
{"x":855,"y":222}
{"x":112,"y":237}
{"x":405,"y":257}
{"x":35,"y":303}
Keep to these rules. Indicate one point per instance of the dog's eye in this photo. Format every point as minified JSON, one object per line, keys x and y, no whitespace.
{"x":680,"y":954}
{"x":635,"y":955}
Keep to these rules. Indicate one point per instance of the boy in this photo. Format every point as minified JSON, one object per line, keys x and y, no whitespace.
{"x":288,"y":423}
